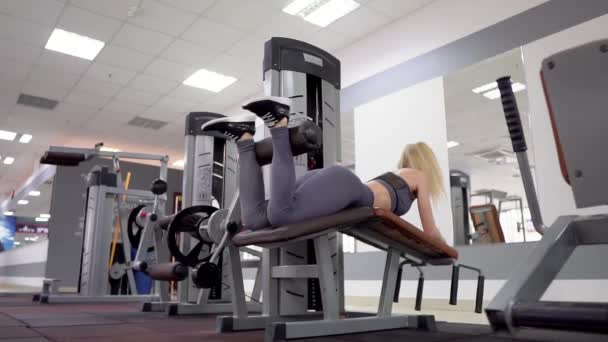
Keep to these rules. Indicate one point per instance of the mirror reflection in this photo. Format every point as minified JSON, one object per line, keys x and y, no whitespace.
{"x":488,"y":199}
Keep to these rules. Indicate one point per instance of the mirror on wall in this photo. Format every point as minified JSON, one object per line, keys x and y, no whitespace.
{"x":27,"y":221}
{"x":488,"y":199}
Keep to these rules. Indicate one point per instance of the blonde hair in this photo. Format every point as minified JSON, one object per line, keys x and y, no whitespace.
{"x":421,"y":157}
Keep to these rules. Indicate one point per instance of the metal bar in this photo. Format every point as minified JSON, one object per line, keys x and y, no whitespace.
{"x":239,"y":304}
{"x":389,"y":283}
{"x":294,"y":330}
{"x":256,"y":293}
{"x":479,"y":296}
{"x":419,"y":292}
{"x":454,"y":285}
{"x":270,"y":286}
{"x":327,"y":282}
{"x":296,"y":271}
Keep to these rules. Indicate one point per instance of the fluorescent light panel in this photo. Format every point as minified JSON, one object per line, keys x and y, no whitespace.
{"x":209,"y":80}
{"x":41,"y":219}
{"x":45,"y":215}
{"x":178,"y":163}
{"x":485,"y":87}
{"x":8,"y":213}
{"x":34,"y":193}
{"x":8,"y":160}
{"x":7,"y":135}
{"x":299,"y":6}
{"x":495,"y":94}
{"x":74,"y":44}
{"x":109,"y":149}
{"x":321,"y":12}
{"x":331,"y":11}
{"x":452,"y":144}
{"x":23,"y":202}
{"x":25,"y":138}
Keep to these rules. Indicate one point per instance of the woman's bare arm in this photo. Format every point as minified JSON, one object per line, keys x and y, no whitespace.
{"x":425,"y":208}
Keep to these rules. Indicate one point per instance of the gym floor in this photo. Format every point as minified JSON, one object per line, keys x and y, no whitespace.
{"x":21,"y":320}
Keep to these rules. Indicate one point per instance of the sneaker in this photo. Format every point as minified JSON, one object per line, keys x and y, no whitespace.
{"x":271,"y":109}
{"x":232,"y":127}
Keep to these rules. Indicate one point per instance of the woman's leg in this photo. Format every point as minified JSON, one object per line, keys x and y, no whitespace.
{"x":283,"y":176}
{"x":326,"y":192}
{"x":251,"y":184}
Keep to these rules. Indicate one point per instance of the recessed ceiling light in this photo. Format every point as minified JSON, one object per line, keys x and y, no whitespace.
{"x":485,"y":87}
{"x":42,"y":219}
{"x":25,"y":138}
{"x":23,"y":202}
{"x":209,"y":80}
{"x":452,"y":144}
{"x":495,"y":94}
{"x":331,"y":11}
{"x":178,"y":163}
{"x":34,"y":193}
{"x":45,"y":215}
{"x":8,"y":213}
{"x":8,"y":160}
{"x":321,"y":12}
{"x":74,"y":44}
{"x":109,"y":149}
{"x":7,"y":135}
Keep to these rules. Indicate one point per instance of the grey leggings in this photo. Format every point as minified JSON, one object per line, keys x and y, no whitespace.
{"x":316,"y":193}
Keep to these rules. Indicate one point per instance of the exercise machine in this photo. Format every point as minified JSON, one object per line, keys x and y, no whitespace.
{"x":107,"y":273}
{"x":317,"y":272}
{"x":209,"y":187}
{"x":575,"y":82}
{"x":460,"y":189}
{"x":516,"y":203}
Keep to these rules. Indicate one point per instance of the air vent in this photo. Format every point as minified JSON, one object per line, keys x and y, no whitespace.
{"x":138,"y":121}
{"x":37,"y":102}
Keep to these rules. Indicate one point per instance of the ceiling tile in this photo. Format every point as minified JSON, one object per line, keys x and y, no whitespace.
{"x":52,"y":76}
{"x":63,"y":63}
{"x":113,"y":8}
{"x":142,"y":40}
{"x":184,"y":52}
{"x":359,"y":22}
{"x":89,"y":24}
{"x":95,"y":86}
{"x":134,"y":96}
{"x":245,"y":15}
{"x":42,"y":12}
{"x":169,"y":70}
{"x":191,"y":93}
{"x":329,"y":40}
{"x":289,"y":26}
{"x":251,"y":46}
{"x":87,"y":99}
{"x":240,"y":68}
{"x":74,"y":113}
{"x":107,"y":73}
{"x":124,"y":58}
{"x":156,"y":16}
{"x":397,"y":8}
{"x":198,"y":6}
{"x":212,"y":35}
{"x":19,"y":51}
{"x":129,"y":109}
{"x":153,"y":85}
{"x":175,"y":104}
{"x":20,"y":30}
{"x":161,"y":113}
{"x":49,"y":91}
{"x":14,"y":67}
{"x":8,"y":99}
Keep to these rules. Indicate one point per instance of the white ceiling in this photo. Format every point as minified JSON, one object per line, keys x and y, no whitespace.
{"x":139,"y":72}
{"x":478,"y":123}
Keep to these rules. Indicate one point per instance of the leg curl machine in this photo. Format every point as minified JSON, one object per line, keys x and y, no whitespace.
{"x":282,"y":316}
